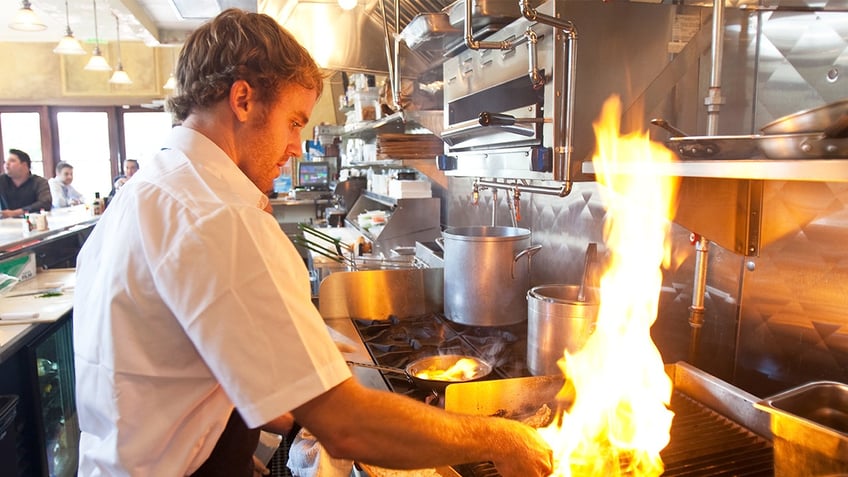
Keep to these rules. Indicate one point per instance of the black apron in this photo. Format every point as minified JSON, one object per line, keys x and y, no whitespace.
{"x":233,"y":453}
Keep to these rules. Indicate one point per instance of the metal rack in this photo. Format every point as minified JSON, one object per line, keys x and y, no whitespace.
{"x":407,"y":221}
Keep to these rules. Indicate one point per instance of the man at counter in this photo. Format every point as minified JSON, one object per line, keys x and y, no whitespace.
{"x":21,"y":191}
{"x":206,"y":333}
{"x":130,"y":168}
{"x":64,"y":194}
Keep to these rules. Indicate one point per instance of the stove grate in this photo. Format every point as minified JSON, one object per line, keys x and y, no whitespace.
{"x":703,"y":443}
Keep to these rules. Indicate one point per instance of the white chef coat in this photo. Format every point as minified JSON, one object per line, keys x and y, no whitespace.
{"x":190,"y":300}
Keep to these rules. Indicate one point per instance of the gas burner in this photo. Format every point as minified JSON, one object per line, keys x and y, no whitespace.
{"x":398,"y":341}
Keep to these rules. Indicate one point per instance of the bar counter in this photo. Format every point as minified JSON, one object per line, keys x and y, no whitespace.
{"x":54,"y":251}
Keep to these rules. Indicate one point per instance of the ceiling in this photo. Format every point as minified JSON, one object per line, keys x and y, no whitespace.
{"x":154,"y":22}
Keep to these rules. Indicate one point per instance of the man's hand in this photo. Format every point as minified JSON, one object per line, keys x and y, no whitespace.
{"x":259,"y":468}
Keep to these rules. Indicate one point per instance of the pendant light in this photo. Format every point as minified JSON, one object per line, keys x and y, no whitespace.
{"x":26,"y":19}
{"x":68,"y":45}
{"x":97,"y":62}
{"x":171,"y":84}
{"x":119,"y":76}
{"x":347,"y":4}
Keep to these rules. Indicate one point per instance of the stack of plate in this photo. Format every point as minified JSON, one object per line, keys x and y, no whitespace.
{"x":408,"y":146}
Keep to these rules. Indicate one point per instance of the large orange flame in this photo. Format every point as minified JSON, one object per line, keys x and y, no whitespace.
{"x":619,"y":420}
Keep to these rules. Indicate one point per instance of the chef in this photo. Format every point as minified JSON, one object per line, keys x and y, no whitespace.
{"x":205,"y":333}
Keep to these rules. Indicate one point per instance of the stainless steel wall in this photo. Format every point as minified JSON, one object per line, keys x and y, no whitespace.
{"x":772,"y":321}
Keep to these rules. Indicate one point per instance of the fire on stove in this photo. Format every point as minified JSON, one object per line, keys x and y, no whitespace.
{"x":398,"y":341}
{"x":716,"y":431}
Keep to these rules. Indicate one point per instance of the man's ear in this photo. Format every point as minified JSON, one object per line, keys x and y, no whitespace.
{"x":241,"y":99}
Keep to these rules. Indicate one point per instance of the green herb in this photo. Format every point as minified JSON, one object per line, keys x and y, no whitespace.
{"x":49,"y":294}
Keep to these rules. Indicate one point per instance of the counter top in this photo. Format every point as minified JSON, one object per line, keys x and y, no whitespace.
{"x":36,"y":308}
{"x":14,"y":238}
{"x":353,"y":349}
{"x":291,"y":202}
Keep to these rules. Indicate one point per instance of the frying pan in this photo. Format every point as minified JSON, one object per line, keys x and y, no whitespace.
{"x":810,"y":120}
{"x":413,"y":370}
{"x":830,"y":143}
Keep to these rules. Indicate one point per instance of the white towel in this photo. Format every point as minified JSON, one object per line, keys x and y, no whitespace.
{"x":307,"y":458}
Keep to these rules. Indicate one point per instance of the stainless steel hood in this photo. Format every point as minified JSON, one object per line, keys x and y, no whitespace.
{"x":353,"y":40}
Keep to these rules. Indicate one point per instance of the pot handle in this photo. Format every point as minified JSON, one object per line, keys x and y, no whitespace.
{"x":529,"y":252}
{"x":440,"y":241}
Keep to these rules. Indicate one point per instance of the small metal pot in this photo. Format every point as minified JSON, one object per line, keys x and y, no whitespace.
{"x":556,"y":321}
{"x":413,"y":370}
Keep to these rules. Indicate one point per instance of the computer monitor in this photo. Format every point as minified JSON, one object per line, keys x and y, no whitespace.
{"x":314,"y":175}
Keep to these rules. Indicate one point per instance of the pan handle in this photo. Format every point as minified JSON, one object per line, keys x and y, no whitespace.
{"x":668,"y":127}
{"x":379,"y":367}
{"x":838,"y":129}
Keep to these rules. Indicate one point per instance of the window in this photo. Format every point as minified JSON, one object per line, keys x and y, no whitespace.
{"x":93,"y":139}
{"x":22,"y":130}
{"x":84,"y":143}
{"x":144,"y":133}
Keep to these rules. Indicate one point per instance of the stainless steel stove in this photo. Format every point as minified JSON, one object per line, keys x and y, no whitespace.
{"x":716,"y":430}
{"x":704,"y":442}
{"x":398,"y":341}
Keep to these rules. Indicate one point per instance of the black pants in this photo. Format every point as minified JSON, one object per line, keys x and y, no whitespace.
{"x":233,"y":453}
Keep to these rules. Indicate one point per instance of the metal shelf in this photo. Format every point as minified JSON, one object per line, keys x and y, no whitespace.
{"x":409,"y":220}
{"x":823,"y":170}
{"x":369,"y":129}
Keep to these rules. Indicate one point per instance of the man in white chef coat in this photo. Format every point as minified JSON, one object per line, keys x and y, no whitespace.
{"x":206,"y":333}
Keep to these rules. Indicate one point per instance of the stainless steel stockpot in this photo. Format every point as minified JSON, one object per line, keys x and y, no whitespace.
{"x":486,"y":276}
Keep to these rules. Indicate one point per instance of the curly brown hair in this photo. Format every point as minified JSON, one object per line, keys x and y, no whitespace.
{"x":239,"y":45}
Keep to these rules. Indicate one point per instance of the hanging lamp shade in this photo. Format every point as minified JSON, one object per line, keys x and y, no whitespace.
{"x":171,"y":84}
{"x":26,"y":19}
{"x":68,"y":45}
{"x":97,"y":62}
{"x":119,"y":76}
{"x":347,"y":4}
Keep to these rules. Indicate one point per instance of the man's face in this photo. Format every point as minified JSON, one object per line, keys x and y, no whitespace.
{"x":272,"y":136}
{"x":66,"y":175}
{"x":14,"y":167}
{"x":130,"y":168}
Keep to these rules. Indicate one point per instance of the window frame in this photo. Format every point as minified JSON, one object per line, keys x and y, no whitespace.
{"x":48,"y":119}
{"x":44,"y":119}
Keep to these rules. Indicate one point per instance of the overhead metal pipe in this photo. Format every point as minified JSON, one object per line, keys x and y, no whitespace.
{"x":564,"y":81}
{"x":714,"y":100}
{"x":563,"y":190}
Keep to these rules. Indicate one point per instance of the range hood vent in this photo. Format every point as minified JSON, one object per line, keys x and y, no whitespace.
{"x":354,"y":40}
